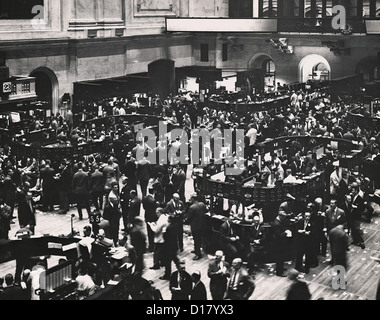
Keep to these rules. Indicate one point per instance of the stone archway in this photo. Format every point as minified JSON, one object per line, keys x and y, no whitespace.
{"x":47,"y":86}
{"x":310,"y":64}
{"x":368,"y":68}
{"x":162,"y":74}
{"x":262,"y":71}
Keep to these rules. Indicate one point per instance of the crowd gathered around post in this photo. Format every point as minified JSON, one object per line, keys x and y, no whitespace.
{"x":149,"y":205}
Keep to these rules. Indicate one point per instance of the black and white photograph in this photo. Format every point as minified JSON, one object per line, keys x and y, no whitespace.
{"x":204,"y":151}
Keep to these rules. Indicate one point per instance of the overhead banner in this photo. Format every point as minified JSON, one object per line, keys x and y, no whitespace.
{"x":220,"y":25}
{"x":373,"y":26}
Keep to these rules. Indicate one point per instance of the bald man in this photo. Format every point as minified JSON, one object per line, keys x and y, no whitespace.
{"x":176,"y":209}
{"x":218,"y":272}
{"x":240,"y":285}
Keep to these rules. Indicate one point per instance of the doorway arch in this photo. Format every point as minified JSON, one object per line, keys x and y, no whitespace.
{"x":368,"y":67}
{"x":162,"y":74}
{"x":47,"y":88}
{"x":262,"y":70}
{"x":314,"y":66}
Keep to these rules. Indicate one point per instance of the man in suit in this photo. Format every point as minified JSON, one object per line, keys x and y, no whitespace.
{"x":256,"y":242}
{"x":231,"y":241}
{"x":134,"y":206}
{"x":176,"y":208}
{"x":181,"y":178}
{"x":97,"y":184}
{"x":48,"y":186}
{"x":138,"y":241}
{"x":143,"y":174}
{"x":129,"y":171}
{"x":180,"y":284}
{"x":26,"y":210}
{"x":112,"y":213}
{"x":335,"y":178}
{"x":199,"y":289}
{"x":218,"y":272}
{"x":170,"y":248}
{"x":64,"y":179}
{"x":81,"y":189}
{"x":124,"y":200}
{"x":339,"y":246}
{"x":334,"y":216}
{"x":357,"y":209}
{"x":5,"y":219}
{"x":303,"y":243}
{"x":159,"y":229}
{"x":240,"y":285}
{"x":150,"y":206}
{"x":318,"y":235}
{"x":170,"y":183}
{"x":196,"y":219}
{"x":281,"y":235}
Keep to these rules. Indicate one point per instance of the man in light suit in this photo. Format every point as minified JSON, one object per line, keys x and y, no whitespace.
{"x":335,"y":178}
{"x":218,"y":272}
{"x":241,"y":285}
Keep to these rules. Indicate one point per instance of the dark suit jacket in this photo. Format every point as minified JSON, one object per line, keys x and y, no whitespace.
{"x":81,"y":183}
{"x":26,"y":215}
{"x":134,"y":208}
{"x":199,"y":292}
{"x":196,"y":216}
{"x":97,"y":182}
{"x":143,"y":170}
{"x":171,"y":207}
{"x":357,"y":208}
{"x":334,"y":219}
{"x":186,"y":286}
{"x":124,"y":198}
{"x":138,"y":240}
{"x":226,"y":232}
{"x":12,"y":293}
{"x":338,"y":242}
{"x":47,"y":177}
{"x":245,"y":287}
{"x":218,"y":282}
{"x":298,"y":291}
{"x":150,"y":206}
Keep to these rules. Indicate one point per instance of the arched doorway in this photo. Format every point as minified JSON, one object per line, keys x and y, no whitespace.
{"x":368,"y":67}
{"x":162,"y":74}
{"x":314,"y":67}
{"x":262,"y":72}
{"x":47,"y":86}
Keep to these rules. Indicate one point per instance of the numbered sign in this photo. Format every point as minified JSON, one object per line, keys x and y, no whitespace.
{"x":7,"y":87}
{"x":95,"y":217}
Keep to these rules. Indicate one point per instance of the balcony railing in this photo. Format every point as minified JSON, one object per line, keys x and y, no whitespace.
{"x":319,"y":25}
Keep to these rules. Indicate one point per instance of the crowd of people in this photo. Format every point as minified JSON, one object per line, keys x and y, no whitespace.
{"x":147,"y":202}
